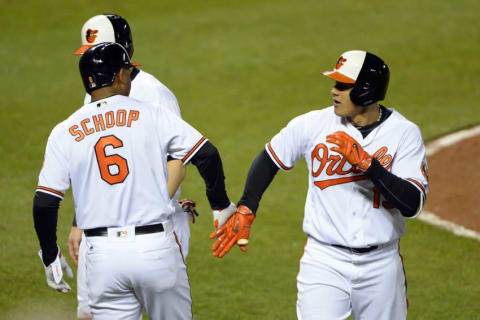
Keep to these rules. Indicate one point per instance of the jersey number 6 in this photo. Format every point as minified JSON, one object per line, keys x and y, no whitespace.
{"x":105,"y":162}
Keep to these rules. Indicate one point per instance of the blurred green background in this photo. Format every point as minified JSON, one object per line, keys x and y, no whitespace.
{"x":240,"y":70}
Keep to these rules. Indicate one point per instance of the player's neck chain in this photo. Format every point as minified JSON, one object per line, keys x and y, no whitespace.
{"x":379,"y":113}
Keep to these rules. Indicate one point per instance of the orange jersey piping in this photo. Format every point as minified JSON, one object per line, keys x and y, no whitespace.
{"x":58,"y":193}
{"x":418,"y":185}
{"x":277,"y":160}
{"x":199,"y":143}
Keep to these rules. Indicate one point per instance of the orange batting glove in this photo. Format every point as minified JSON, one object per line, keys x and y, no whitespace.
{"x":235,"y":231}
{"x":350,"y":149}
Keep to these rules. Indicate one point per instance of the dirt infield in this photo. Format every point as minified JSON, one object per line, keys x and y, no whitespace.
{"x":455,"y":183}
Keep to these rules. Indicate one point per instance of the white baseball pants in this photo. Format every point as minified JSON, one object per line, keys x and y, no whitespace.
{"x":334,"y":283}
{"x":181,"y":222}
{"x":128,"y":273}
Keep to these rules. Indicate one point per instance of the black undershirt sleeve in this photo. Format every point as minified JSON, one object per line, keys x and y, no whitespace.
{"x":45,"y":214}
{"x":261,"y":173}
{"x":209,"y":165}
{"x":400,"y":193}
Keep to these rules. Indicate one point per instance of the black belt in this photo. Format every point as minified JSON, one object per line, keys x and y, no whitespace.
{"x":355,"y":250}
{"x":103,"y":231}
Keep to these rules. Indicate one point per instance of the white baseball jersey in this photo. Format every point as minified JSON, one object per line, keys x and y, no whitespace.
{"x":116,"y":176}
{"x":343,"y":206}
{"x":147,"y":88}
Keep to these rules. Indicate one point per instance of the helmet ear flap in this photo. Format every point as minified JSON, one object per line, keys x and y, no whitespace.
{"x":355,"y":95}
{"x":364,"y":94}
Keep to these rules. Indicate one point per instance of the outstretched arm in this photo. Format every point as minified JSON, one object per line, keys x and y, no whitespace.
{"x":209,"y":165}
{"x":237,"y":229}
{"x":260,"y":175}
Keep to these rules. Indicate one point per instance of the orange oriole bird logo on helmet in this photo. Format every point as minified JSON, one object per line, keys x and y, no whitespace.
{"x":340,"y":62}
{"x":91,"y":35}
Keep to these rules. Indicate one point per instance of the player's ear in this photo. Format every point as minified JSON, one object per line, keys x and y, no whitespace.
{"x":123,"y":80}
{"x":124,"y":75}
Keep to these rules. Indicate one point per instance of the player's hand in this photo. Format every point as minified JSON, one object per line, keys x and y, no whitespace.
{"x":235,"y":231}
{"x":350,"y":149}
{"x":188,"y":206}
{"x":54,"y":272}
{"x":221,"y":216}
{"x":74,"y":240}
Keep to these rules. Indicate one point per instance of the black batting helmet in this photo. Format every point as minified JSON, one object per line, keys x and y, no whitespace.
{"x":369,"y":73}
{"x":106,"y":28}
{"x":100,"y":64}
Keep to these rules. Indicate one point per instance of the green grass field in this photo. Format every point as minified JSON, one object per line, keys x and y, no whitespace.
{"x":241,"y":70}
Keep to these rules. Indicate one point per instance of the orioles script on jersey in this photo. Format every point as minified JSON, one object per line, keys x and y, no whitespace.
{"x":103,"y":121}
{"x":336,"y":163}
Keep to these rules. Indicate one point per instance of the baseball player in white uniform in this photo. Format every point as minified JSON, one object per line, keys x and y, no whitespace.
{"x":145,"y":87}
{"x":113,"y":152}
{"x":367,"y":174}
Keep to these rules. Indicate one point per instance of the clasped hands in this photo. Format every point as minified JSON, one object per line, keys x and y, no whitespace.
{"x":232,"y":226}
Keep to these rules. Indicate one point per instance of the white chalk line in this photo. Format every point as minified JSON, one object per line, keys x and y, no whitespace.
{"x":448,"y":140}
{"x":459,"y":230}
{"x":432,"y":148}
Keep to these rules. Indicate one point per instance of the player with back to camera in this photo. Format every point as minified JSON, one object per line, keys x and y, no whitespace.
{"x":113,"y":153}
{"x":145,"y":87}
{"x":367,"y":174}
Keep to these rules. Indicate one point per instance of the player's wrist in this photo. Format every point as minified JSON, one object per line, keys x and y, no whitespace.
{"x":48,"y":255}
{"x":220,"y":217}
{"x":244,"y":210}
{"x":365,"y":164}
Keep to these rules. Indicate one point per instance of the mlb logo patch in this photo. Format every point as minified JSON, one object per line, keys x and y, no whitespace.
{"x":122,"y":233}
